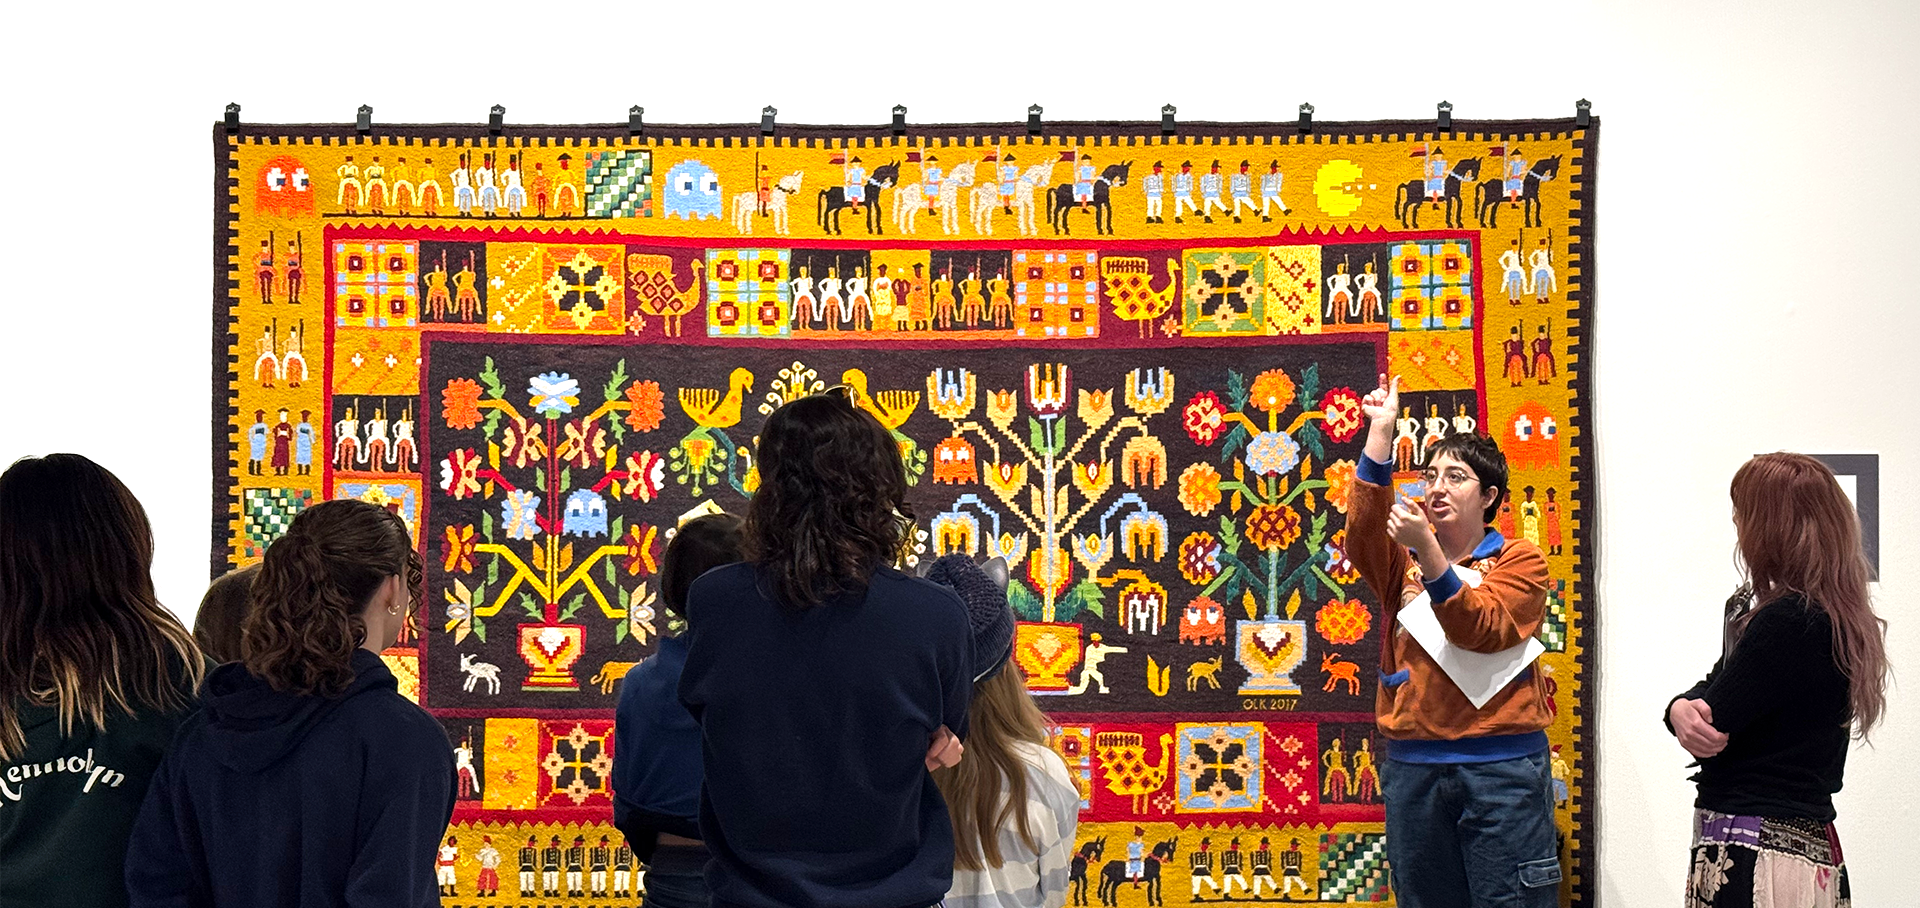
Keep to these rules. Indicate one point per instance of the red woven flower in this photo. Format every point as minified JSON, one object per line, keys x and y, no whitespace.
{"x":1203,"y":418}
{"x":1342,"y":414}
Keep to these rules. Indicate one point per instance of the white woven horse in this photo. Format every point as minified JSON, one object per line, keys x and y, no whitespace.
{"x":747,"y":204}
{"x":949,"y":202}
{"x":986,"y":197}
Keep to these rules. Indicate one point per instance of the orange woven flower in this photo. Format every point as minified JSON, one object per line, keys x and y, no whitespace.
{"x":1200,"y":489}
{"x":1340,"y":475}
{"x":1272,"y":391}
{"x":1273,"y":527}
{"x":460,"y":403}
{"x":649,"y":406}
{"x":1341,"y":623}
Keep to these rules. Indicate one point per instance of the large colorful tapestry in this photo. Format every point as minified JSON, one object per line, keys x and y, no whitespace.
{"x":1128,"y":359}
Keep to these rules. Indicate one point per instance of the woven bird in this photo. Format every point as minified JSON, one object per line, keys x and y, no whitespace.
{"x":710,"y":408}
{"x":890,"y":407}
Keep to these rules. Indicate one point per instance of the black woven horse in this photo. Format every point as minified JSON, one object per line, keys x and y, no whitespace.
{"x":834,"y":198}
{"x":1114,"y":875}
{"x":1077,"y":876}
{"x":1488,"y":195}
{"x":1060,"y":201}
{"x":1413,"y":194}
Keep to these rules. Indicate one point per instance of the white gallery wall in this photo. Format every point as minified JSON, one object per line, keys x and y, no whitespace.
{"x":1758,"y":212}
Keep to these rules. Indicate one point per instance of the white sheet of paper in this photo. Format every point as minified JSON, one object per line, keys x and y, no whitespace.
{"x":1478,"y":675}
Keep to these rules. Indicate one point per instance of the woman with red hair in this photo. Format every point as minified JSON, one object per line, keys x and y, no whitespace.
{"x":1803,"y":668}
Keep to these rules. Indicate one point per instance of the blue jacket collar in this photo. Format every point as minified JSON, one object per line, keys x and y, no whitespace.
{"x":1490,"y":544}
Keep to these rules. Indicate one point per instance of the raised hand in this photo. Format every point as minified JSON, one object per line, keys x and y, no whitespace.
{"x":1380,"y":406}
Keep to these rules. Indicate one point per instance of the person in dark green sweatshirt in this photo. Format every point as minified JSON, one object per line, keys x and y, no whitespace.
{"x":306,"y":778}
{"x":95,"y":676}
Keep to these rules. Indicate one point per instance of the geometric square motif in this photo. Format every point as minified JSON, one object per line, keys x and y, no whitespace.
{"x":1432,"y":285}
{"x":620,"y":184}
{"x":1433,"y":360}
{"x":748,"y":294}
{"x":576,"y":763}
{"x":512,"y":764}
{"x":375,"y":283}
{"x":583,"y":289}
{"x":1293,"y":290}
{"x":1220,"y":767}
{"x":1074,"y":744}
{"x":1056,"y":293}
{"x":1553,"y":631}
{"x":1225,"y":292}
{"x":265,"y":514}
{"x":1353,"y":867}
{"x":516,"y":298}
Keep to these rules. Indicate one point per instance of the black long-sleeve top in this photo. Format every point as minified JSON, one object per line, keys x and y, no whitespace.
{"x":1783,"y":703}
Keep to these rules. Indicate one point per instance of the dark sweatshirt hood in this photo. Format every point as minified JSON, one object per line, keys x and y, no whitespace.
{"x":249,"y":726}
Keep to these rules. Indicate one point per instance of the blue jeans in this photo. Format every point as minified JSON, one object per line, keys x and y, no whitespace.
{"x":1472,"y":835}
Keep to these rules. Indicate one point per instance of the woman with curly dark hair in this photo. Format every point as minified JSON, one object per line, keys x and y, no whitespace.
{"x":95,"y":677}
{"x":819,"y":673}
{"x":306,"y":778}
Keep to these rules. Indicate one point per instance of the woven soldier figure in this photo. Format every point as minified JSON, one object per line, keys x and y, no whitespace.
{"x":597,"y":863}
{"x":623,"y":869}
{"x":1202,"y":863}
{"x":550,"y":868}
{"x":1230,"y":869}
{"x":529,"y":864}
{"x":576,"y":866}
{"x":1261,"y":861}
{"x":1290,"y":877}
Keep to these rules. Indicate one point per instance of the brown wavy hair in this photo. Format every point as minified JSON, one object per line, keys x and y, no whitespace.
{"x":1799,"y":535}
{"x":987,"y":790}
{"x":312,"y":587}
{"x":832,"y":504}
{"x":80,"y":627}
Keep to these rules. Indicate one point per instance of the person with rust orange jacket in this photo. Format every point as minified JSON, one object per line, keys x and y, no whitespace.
{"x":1468,"y":790}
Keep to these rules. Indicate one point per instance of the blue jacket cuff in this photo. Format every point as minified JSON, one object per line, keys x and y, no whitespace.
{"x":1375,"y":472}
{"x":1442,"y":588}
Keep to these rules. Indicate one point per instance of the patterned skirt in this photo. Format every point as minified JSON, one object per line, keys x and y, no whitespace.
{"x":1759,"y":862}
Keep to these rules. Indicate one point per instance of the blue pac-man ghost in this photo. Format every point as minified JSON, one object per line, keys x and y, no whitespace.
{"x":586,"y":514}
{"x":692,"y":191}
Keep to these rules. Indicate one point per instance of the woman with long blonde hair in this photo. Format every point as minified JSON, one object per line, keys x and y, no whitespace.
{"x":1803,"y":669}
{"x":1013,"y":804}
{"x":95,"y":676}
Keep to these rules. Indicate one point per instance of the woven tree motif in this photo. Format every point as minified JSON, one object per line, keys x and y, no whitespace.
{"x":1050,"y":475}
{"x":551,"y":474}
{"x":1264,"y":528}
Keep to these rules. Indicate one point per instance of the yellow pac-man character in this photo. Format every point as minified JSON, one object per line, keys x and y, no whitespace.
{"x":1334,"y":185}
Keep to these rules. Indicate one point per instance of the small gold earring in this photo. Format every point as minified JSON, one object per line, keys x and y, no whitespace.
{"x":393,"y":610}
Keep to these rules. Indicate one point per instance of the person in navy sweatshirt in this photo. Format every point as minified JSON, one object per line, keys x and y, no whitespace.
{"x":819,"y":674}
{"x":305,"y":778}
{"x":656,"y":753}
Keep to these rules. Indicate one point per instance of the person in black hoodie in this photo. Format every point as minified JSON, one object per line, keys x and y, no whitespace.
{"x":819,"y":674}
{"x":305,"y":778}
{"x":95,"y":677}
